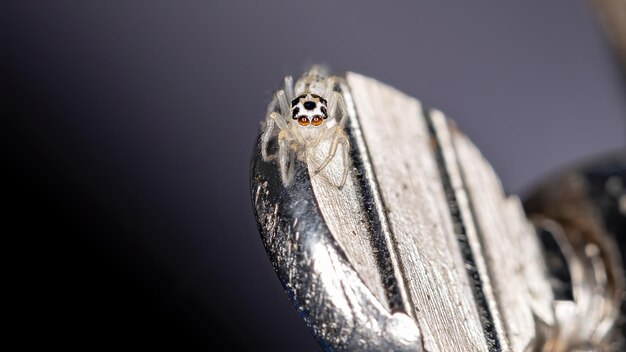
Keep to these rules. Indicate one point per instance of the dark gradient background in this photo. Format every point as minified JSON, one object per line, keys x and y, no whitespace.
{"x":128,"y":127}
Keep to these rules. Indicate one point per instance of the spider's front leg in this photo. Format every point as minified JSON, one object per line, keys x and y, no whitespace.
{"x":337,"y":109}
{"x":276,"y":118}
{"x":286,"y":157}
{"x":337,"y":105}
{"x":273,"y":118}
{"x":339,"y":138}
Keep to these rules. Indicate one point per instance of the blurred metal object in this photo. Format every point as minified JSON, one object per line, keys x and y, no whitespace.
{"x":613,"y":18}
{"x":420,"y":250}
{"x":581,"y":217}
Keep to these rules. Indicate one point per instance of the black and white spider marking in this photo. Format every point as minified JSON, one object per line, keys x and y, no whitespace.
{"x":307,"y":113}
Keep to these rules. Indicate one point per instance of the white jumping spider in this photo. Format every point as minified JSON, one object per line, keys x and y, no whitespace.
{"x":305,"y":118}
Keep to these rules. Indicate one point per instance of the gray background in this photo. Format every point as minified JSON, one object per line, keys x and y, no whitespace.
{"x":130,"y":126}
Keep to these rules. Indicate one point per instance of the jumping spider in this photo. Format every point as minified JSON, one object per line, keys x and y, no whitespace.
{"x":305,"y":118}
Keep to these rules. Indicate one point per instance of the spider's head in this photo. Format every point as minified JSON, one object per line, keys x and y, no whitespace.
{"x":309,"y":109}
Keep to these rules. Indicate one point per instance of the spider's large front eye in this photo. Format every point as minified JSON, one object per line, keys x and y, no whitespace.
{"x":303,"y":121}
{"x":317,"y":120}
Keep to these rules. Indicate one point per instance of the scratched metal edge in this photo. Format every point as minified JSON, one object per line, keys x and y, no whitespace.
{"x":283,"y":244}
{"x":261,"y":173}
{"x":477,"y":286}
{"x":386,"y":258}
{"x":519,"y":279}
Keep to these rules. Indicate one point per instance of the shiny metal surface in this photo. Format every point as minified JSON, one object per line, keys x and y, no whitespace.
{"x":420,"y":250}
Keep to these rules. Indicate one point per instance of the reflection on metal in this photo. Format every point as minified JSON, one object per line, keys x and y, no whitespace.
{"x":419,"y":250}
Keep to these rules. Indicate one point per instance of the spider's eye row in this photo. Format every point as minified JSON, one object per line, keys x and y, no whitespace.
{"x":303,"y":120}
{"x":317,"y":120}
{"x":322,"y":100}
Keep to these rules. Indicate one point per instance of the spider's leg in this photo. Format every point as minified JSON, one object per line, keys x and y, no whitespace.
{"x":345,"y":146}
{"x":339,"y":138}
{"x":285,"y":158}
{"x":330,"y":87}
{"x":285,"y":110}
{"x":268,"y":130}
{"x":272,"y":119}
{"x":331,"y":151}
{"x":275,"y":118}
{"x":279,"y":120}
{"x":289,"y":89}
{"x":265,"y":138}
{"x":337,"y":105}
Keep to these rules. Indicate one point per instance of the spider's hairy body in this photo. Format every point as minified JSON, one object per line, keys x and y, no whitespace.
{"x":307,"y":113}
